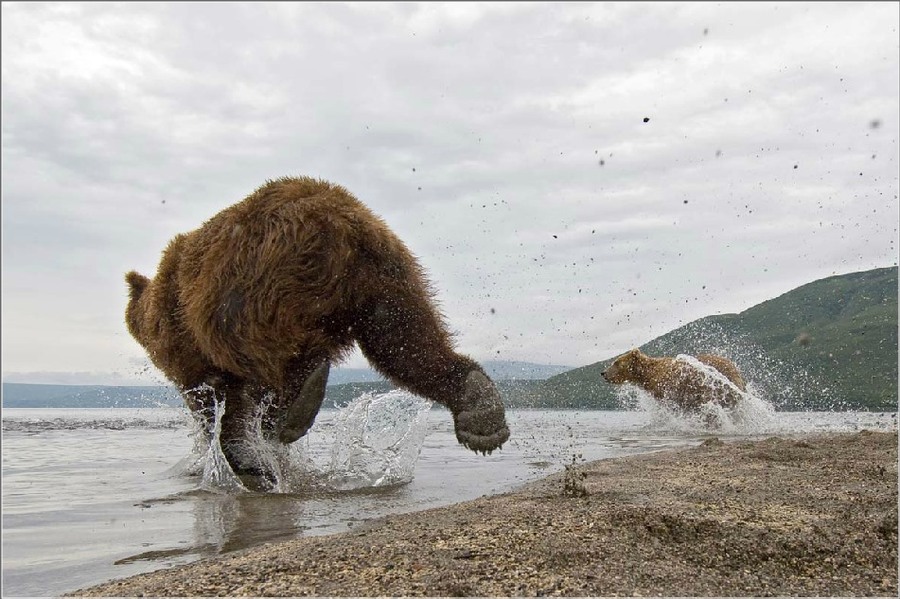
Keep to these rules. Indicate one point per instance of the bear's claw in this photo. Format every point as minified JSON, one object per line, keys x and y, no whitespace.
{"x":480,"y":420}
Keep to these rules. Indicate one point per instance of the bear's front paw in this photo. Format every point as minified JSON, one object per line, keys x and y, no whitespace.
{"x":480,"y":420}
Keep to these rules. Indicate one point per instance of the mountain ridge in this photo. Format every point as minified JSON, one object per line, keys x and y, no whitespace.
{"x":344,"y":385}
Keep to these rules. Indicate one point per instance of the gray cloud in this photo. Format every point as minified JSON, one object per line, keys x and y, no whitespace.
{"x":477,"y":131}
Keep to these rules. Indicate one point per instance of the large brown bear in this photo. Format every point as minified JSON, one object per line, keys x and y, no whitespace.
{"x":266,"y":294}
{"x":675,"y":382}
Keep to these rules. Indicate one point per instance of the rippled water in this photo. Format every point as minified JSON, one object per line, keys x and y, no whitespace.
{"x":91,"y":495}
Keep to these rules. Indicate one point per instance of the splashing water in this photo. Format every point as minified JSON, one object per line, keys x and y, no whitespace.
{"x":751,"y":414}
{"x":217,"y":473}
{"x":379,"y":440}
{"x":376,"y":443}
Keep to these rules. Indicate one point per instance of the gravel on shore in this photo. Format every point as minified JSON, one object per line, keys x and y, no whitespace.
{"x":780,"y":516}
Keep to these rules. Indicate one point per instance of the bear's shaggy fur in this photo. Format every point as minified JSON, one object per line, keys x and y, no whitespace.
{"x":269,"y":292}
{"x":676,"y":382}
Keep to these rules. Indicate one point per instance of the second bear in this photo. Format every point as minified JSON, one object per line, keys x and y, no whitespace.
{"x":676,"y":382}
{"x":268,"y":293}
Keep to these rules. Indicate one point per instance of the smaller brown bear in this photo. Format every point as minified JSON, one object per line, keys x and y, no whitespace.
{"x":676,"y":382}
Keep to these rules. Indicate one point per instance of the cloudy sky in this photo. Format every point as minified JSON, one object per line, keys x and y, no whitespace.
{"x":508,"y":144}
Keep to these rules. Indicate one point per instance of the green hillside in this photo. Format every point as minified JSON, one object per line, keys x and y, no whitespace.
{"x":830,"y":345}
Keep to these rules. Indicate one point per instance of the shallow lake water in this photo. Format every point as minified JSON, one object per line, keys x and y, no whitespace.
{"x":91,"y":495}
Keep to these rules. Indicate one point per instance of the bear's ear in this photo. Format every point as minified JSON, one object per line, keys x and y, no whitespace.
{"x":136,"y":284}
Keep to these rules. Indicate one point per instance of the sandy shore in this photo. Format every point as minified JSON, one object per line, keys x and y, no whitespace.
{"x":811,"y":516}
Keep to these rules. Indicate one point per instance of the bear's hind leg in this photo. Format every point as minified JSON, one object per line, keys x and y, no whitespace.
{"x":301,"y":404}
{"x":237,"y":437}
{"x":203,"y":398}
{"x":240,"y":402}
{"x":201,"y":401}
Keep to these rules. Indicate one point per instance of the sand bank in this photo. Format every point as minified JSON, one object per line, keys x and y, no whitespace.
{"x":810,"y":516}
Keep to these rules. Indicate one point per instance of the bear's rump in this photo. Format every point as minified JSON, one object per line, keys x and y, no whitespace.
{"x":690,"y":388}
{"x":263,"y":293}
{"x":726,"y":367}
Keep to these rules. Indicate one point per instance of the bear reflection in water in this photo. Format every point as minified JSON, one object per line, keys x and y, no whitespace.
{"x":267,"y":294}
{"x":676,"y":382}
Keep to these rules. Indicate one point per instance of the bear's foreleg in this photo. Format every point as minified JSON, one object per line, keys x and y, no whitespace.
{"x":403,"y":338}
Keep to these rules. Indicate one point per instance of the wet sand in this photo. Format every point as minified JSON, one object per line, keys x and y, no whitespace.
{"x":780,"y":516}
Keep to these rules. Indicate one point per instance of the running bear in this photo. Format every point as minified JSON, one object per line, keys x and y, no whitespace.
{"x":675,"y":382}
{"x":268,"y":293}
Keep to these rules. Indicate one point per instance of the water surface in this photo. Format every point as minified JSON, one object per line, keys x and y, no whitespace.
{"x":91,"y":495}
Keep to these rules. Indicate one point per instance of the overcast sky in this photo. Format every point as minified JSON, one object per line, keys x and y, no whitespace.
{"x":507,"y":144}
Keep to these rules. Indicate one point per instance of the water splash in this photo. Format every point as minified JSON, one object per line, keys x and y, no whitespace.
{"x":287,"y":468}
{"x":217,"y":473}
{"x":376,"y":442}
{"x":379,"y":440}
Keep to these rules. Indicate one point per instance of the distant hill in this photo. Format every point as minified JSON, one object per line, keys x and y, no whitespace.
{"x":23,"y":395}
{"x":344,"y":385}
{"x":830,"y":345}
{"x":521,"y":371}
{"x":342,"y":376}
{"x":498,"y":370}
